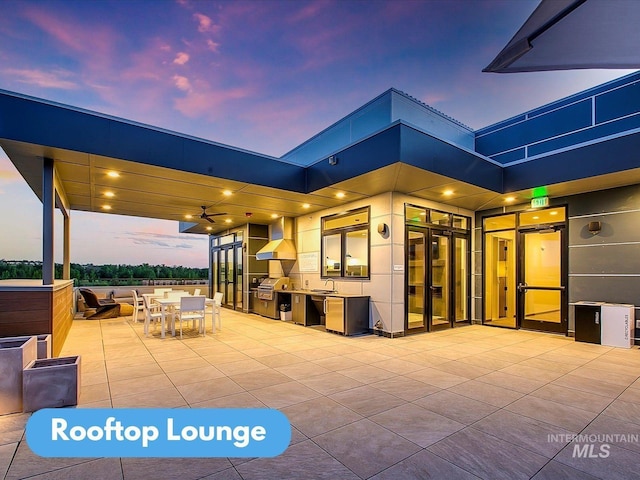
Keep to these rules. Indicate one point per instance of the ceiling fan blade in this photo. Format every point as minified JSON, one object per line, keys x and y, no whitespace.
{"x":214,"y":214}
{"x":208,"y":219}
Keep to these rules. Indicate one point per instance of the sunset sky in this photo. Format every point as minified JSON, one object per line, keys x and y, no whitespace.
{"x":259,"y":75}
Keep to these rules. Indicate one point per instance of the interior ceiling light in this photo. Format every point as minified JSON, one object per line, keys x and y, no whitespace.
{"x":188,"y":217}
{"x":113,"y":174}
{"x":448,"y":193}
{"x":510,"y":199}
{"x":227,"y":193}
{"x":274,"y":215}
{"x":553,"y":212}
{"x":227,"y":220}
{"x":106,"y":207}
{"x":340,"y":195}
{"x":109,"y":194}
{"x":209,"y":228}
{"x":305,"y":205}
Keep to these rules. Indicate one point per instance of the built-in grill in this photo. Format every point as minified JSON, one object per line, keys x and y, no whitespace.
{"x":268,"y":286}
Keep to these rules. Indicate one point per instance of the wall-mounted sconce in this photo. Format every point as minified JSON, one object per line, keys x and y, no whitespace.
{"x":333,"y":160}
{"x":383,"y":229}
{"x":595,"y":227}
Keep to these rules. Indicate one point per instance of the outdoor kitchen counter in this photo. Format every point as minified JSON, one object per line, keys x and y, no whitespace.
{"x":326,"y":294}
{"x":343,"y":313}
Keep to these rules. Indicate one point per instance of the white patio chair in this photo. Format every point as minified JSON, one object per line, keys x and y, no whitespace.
{"x":216,"y":311}
{"x":138,"y":305}
{"x":153,"y":312}
{"x":192,"y":308}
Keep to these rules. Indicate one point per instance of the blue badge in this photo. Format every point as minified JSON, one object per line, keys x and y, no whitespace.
{"x":156,"y":432}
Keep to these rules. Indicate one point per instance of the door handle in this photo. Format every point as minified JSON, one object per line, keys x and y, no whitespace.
{"x":522,"y":287}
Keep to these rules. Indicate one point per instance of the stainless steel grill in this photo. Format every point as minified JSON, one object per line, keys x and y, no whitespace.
{"x":269,"y":285}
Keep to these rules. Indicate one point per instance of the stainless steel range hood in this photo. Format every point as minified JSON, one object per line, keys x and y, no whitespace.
{"x":281,"y":246}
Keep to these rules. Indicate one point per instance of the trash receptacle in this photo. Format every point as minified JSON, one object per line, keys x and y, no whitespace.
{"x":587,"y":321}
{"x":285,"y":312}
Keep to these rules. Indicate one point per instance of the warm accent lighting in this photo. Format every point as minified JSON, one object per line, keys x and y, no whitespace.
{"x":553,"y":212}
{"x":228,"y":220}
{"x":209,"y":228}
{"x":340,"y":195}
{"x":227,"y":193}
{"x":447,"y":193}
{"x":113,"y":174}
{"x":274,"y":215}
{"x":536,"y":217}
{"x":305,"y":205}
{"x":106,"y":207}
{"x":510,"y":199}
{"x":188,"y":217}
{"x":109,"y":194}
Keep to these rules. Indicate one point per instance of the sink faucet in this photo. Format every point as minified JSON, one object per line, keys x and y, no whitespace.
{"x":333,"y":284}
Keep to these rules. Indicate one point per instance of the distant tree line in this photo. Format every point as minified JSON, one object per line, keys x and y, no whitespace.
{"x":103,"y":274}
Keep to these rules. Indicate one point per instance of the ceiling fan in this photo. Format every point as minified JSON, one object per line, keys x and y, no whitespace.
{"x":207,"y":216}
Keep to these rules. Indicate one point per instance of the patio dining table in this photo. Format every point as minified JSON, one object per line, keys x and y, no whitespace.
{"x":167,"y":305}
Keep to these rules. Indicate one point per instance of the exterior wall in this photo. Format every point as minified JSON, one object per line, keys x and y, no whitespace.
{"x":602,"y":267}
{"x":608,"y":109}
{"x":386,"y":285}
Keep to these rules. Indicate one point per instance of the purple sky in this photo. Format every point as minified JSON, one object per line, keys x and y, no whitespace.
{"x":260,"y":75}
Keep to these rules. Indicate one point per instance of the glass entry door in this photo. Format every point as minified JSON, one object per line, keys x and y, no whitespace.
{"x":541,"y":287}
{"x":440,"y":279}
{"x":437,"y":279}
{"x":416,"y":278}
{"x":227,"y":278}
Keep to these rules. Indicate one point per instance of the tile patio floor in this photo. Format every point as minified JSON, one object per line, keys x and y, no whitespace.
{"x":474,"y":402}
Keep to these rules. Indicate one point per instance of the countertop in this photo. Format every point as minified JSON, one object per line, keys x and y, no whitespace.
{"x":324,"y":294}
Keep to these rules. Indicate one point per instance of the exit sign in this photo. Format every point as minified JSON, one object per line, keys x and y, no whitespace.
{"x":539,"y":202}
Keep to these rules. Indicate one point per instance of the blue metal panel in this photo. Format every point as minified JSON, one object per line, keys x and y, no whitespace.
{"x":434,"y":155}
{"x":551,"y":124}
{"x":618,"y":103}
{"x":593,"y":133}
{"x":218,"y":161}
{"x":36,"y":122}
{"x":610,"y":156}
{"x":499,"y":125}
{"x":372,"y":153}
{"x":511,"y":156}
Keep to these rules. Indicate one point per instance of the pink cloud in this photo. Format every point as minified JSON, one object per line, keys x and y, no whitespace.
{"x":182,"y":83}
{"x":213,"y":46}
{"x":53,"y":79}
{"x":206,"y":102}
{"x":181,"y":58}
{"x":205,"y":24}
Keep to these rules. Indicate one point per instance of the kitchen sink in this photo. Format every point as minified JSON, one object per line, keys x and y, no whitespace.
{"x":320,"y":290}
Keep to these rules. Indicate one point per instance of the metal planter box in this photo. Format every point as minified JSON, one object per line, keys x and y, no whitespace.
{"x":50,"y":383}
{"x":44,"y":346}
{"x":15,"y":354}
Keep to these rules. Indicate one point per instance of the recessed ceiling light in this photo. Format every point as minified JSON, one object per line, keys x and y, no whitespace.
{"x":536,"y":217}
{"x":188,"y":217}
{"x":510,"y":199}
{"x":113,"y":174}
{"x":209,"y":228}
{"x":340,"y":195}
{"x":106,"y":207}
{"x":109,"y":194}
{"x":274,"y":215}
{"x":227,"y":193}
{"x":305,"y":205}
{"x":448,"y":193}
{"x":553,"y":212}
{"x":228,"y":220}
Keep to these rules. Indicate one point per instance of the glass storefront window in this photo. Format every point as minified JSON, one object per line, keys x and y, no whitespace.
{"x":540,"y":217}
{"x":415,"y":214}
{"x":440,"y":218}
{"x":345,"y":245}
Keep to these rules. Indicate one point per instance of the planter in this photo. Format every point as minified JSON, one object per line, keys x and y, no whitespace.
{"x":50,"y":383}
{"x":15,"y":354}
{"x":44,"y":346}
